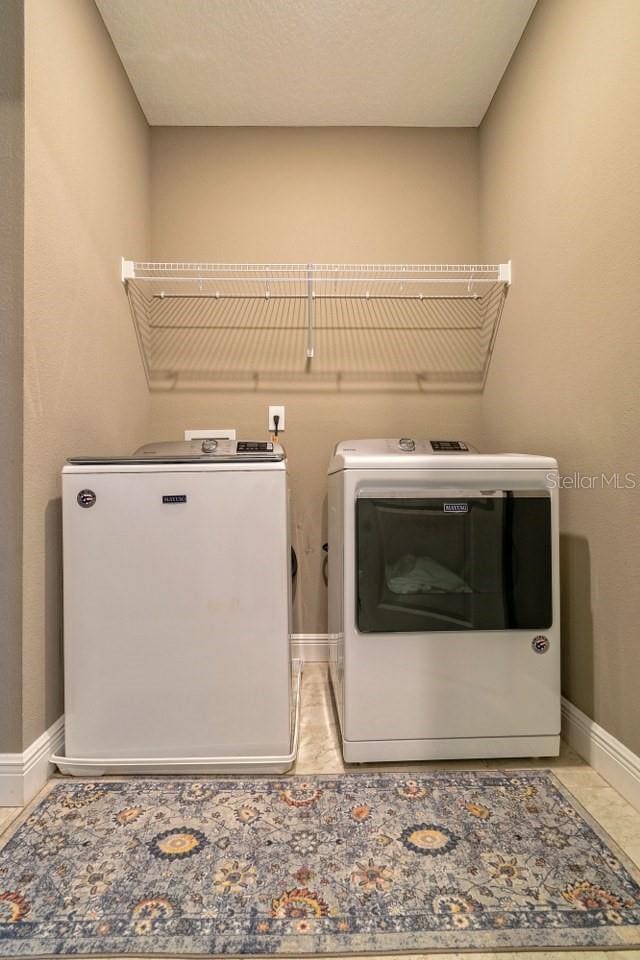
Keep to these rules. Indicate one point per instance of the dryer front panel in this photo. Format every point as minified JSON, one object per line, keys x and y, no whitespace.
{"x":451,"y":611}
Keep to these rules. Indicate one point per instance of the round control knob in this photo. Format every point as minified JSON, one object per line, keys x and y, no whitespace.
{"x":407,"y":444}
{"x":209,"y":446}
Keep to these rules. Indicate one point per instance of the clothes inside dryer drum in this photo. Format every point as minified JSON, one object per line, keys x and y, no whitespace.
{"x":423,"y":575}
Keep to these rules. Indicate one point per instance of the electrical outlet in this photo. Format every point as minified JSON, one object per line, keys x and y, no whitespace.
{"x":278,"y":412}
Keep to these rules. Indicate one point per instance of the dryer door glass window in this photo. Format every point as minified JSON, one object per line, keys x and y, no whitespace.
{"x":461,"y":563}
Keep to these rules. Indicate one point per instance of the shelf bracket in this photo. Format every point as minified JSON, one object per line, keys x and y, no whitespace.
{"x":310,"y":311}
{"x":504,"y":273}
{"x":127,"y":270}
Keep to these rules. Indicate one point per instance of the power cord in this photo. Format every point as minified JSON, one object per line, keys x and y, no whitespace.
{"x":276,"y":421}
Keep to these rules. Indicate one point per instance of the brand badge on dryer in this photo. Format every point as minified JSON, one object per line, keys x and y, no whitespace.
{"x":540,"y":644}
{"x":86,"y":498}
{"x":456,"y":507}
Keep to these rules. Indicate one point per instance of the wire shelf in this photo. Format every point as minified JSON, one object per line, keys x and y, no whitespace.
{"x":206,"y":322}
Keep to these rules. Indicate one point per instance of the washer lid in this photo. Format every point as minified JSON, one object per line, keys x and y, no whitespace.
{"x":195,"y":451}
{"x":438,"y":454}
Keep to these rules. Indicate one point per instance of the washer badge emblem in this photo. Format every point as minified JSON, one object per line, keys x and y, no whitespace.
{"x":540,"y":644}
{"x":86,"y":498}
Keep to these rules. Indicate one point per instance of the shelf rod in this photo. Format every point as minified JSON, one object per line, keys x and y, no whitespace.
{"x":411,"y":328}
{"x":317,"y":296}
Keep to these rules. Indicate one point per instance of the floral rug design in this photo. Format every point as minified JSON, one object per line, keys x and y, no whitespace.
{"x":355,"y":863}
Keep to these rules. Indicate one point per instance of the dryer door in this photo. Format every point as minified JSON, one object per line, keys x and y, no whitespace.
{"x":478,"y":560}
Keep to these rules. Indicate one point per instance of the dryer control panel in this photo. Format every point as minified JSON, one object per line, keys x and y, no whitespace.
{"x":448,"y":446}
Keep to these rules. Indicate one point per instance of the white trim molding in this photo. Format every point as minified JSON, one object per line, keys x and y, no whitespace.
{"x":608,"y":756}
{"x":312,"y":647}
{"x":22,"y":775}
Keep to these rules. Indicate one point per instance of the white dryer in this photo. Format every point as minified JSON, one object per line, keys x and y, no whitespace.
{"x":177,"y":583}
{"x":443,"y":601}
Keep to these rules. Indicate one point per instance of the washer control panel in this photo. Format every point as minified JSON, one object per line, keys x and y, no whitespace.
{"x":254,"y":446}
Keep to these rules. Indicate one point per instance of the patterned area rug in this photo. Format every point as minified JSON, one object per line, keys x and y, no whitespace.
{"x":356,"y":863}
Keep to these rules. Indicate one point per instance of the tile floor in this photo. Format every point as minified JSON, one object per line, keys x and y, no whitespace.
{"x":319,"y":752}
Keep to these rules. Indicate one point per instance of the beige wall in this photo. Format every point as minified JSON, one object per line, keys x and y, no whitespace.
{"x":321,"y":195}
{"x":560,"y":156}
{"x":86,"y":204}
{"x":11,"y":321}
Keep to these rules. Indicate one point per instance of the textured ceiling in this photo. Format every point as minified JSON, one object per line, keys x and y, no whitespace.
{"x":315,"y":62}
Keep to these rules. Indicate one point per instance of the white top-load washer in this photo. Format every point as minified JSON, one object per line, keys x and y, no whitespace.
{"x":443,"y":601}
{"x":177,"y":589}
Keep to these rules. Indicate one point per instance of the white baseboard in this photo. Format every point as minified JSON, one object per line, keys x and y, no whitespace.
{"x":22,"y":775}
{"x":311,"y":647}
{"x":608,"y":757}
